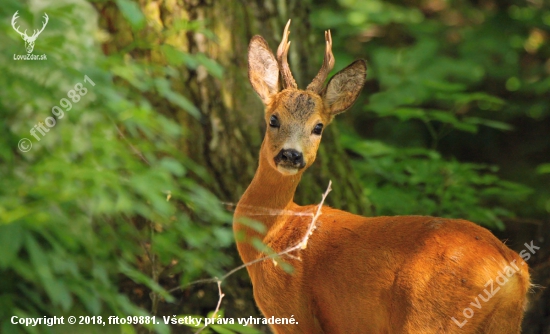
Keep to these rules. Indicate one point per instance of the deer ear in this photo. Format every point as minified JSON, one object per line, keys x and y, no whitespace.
{"x":263,"y":69}
{"x":344,"y":87}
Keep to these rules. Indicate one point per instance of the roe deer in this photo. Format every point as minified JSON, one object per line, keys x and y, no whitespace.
{"x":403,"y":274}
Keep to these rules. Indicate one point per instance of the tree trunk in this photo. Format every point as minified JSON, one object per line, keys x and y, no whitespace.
{"x":226,"y":140}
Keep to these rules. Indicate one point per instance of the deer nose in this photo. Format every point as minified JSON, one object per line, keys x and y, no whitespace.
{"x":292,"y":156}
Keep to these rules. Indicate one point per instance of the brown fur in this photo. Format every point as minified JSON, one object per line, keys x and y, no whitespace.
{"x":404,"y":274}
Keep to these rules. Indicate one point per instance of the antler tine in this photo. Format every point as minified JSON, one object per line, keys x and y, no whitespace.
{"x":46,"y":19}
{"x":282,"y":54}
{"x":328,"y":63}
{"x":13,"y":21}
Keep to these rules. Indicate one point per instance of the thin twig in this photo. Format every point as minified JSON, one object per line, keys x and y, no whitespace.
{"x":221,"y":294}
{"x":134,"y":149}
{"x":154,"y":272}
{"x":262,"y":211}
{"x":300,"y":245}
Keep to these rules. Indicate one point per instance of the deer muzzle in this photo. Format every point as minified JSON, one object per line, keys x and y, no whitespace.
{"x":289,"y":161}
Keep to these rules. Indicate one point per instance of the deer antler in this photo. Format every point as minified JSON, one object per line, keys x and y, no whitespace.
{"x":14,"y":18}
{"x":46,"y":18}
{"x":282,"y":53}
{"x":328,"y":63}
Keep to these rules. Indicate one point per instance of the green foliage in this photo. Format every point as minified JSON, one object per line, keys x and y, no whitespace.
{"x":217,"y":327}
{"x":132,"y":13}
{"x":444,"y":74}
{"x":105,"y":198}
{"x":419,"y":181}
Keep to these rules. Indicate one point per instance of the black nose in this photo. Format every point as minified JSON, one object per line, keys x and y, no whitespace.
{"x":292,"y":156}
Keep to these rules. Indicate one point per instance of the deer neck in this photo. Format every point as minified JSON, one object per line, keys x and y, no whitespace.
{"x":266,"y":200}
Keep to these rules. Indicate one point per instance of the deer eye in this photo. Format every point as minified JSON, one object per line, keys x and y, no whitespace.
{"x":318,"y":129}
{"x":274,"y":122}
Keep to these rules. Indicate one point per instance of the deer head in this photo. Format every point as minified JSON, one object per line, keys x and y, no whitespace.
{"x":29,"y":40}
{"x":295,"y":117}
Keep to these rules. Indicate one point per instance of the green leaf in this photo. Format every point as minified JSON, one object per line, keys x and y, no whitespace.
{"x":543,"y":169}
{"x":241,"y":329}
{"x":11,"y":239}
{"x":448,"y":118}
{"x":221,"y":329}
{"x":131,"y":11}
{"x":164,"y":89}
{"x":56,"y":289}
{"x":174,"y":56}
{"x":172,"y":165}
{"x":140,"y":277}
{"x":253,"y":224}
{"x":405,"y":114}
{"x":211,"y":65}
{"x":489,"y":123}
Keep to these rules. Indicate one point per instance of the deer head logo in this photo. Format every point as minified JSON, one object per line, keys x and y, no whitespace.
{"x":29,"y":40}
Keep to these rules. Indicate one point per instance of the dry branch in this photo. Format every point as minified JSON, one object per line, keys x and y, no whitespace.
{"x":300,"y":245}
